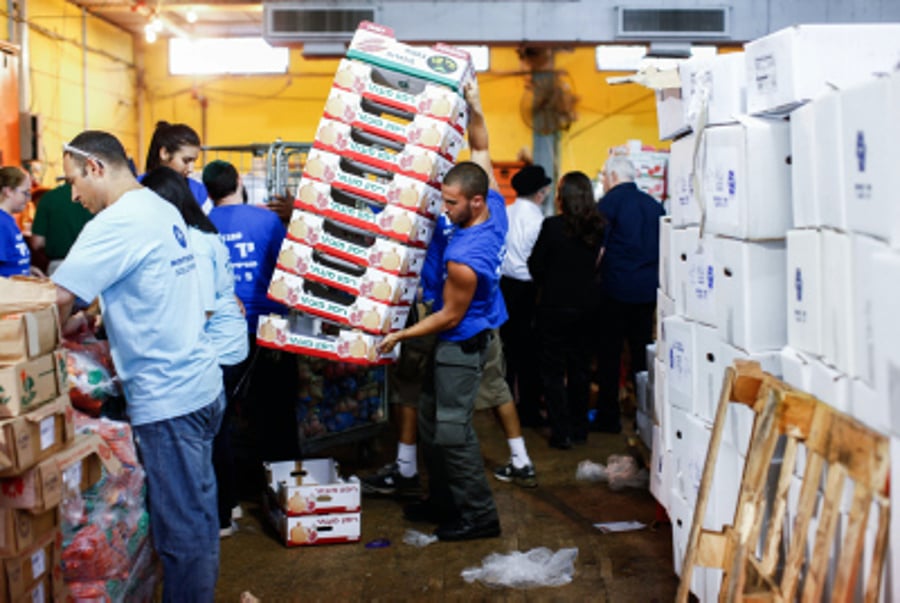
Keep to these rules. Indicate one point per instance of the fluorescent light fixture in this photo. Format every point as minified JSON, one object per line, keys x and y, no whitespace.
{"x":614,"y":57}
{"x":216,"y":56}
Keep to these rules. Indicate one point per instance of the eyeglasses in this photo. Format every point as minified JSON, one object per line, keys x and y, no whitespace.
{"x":24,"y":191}
{"x":67,"y":148}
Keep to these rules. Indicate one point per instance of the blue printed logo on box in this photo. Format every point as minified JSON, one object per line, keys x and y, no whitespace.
{"x":861,"y":151}
{"x":798,"y":284}
{"x":732,"y":184}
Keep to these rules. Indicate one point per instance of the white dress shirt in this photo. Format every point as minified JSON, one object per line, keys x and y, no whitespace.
{"x":525,"y":219}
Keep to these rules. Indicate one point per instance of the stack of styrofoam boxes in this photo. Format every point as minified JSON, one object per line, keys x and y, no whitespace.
{"x":365,"y":209}
{"x":310,"y":503}
{"x":841,"y":272}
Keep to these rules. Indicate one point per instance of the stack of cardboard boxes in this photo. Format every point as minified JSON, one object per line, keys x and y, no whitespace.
{"x":309,"y":503}
{"x":776,"y":249}
{"x":365,"y":209}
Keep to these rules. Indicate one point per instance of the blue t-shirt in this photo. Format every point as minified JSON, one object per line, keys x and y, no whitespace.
{"x":15,"y":257}
{"x":482,"y":248}
{"x":227,"y":328}
{"x":253,"y":236}
{"x":629,"y":271}
{"x":136,"y":256}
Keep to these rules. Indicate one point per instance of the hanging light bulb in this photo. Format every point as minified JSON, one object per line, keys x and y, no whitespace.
{"x":191,"y":15}
{"x":149,"y":33}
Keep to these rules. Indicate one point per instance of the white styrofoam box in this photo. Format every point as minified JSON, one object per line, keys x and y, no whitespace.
{"x":670,"y":113}
{"x":830,"y":385}
{"x":682,"y":516}
{"x":684,"y":206}
{"x":665,"y":307}
{"x":829,"y":153}
{"x":804,"y":290}
{"x":649,"y":357}
{"x":804,"y":172}
{"x":799,"y":63}
{"x":644,"y":424}
{"x":796,"y":368}
{"x":726,"y":486}
{"x":714,"y":89}
{"x":746,"y":188}
{"x":893,"y":127}
{"x":689,"y":450}
{"x":872,"y":408}
{"x":837,"y":312}
{"x":665,"y":254}
{"x":660,"y":468}
{"x":867,"y":362}
{"x":661,"y":399}
{"x":887,"y":336}
{"x":684,"y":244}
{"x":739,"y":420}
{"x":750,"y":309}
{"x":644,"y":402}
{"x":869,"y":157}
{"x":893,"y":565}
{"x":700,"y":289}
{"x":680,"y":373}
{"x":710,"y":372}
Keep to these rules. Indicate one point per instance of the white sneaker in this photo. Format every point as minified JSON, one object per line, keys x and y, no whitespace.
{"x":237,"y":512}
{"x":229,"y":531}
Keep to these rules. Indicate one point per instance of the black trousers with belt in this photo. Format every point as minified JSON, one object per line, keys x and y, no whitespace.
{"x":521,"y":347}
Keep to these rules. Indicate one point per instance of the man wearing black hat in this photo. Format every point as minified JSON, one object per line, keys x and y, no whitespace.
{"x":532,"y":186}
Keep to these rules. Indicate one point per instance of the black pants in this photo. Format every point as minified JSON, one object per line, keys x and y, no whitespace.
{"x":565,"y":362}
{"x":223,"y":451}
{"x":520,"y":347}
{"x":618,"y":322}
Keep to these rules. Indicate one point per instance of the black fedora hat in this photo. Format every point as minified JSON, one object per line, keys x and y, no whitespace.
{"x":529,"y":180}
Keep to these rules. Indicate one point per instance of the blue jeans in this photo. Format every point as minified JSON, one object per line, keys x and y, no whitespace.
{"x":181,"y":495}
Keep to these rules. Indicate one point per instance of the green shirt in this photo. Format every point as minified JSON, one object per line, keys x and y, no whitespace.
{"x":59,"y":220}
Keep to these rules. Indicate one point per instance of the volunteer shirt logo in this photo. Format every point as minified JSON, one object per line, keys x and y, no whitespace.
{"x":179,"y":236}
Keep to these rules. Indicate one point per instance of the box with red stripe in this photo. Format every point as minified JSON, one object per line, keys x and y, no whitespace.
{"x":305,"y":335}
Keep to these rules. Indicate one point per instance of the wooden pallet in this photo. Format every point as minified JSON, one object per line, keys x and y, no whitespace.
{"x":779,"y":568}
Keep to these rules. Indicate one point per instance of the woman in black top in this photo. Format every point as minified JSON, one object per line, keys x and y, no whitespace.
{"x":563,"y":265}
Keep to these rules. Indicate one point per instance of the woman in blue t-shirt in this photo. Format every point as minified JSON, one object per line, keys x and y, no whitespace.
{"x":15,"y":191}
{"x":177,"y":146}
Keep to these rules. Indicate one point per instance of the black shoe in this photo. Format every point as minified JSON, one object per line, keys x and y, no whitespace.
{"x":424,"y":511}
{"x":388,"y":480}
{"x":560,"y":443}
{"x":606,"y":427}
{"x":462,"y":529}
{"x":525,"y":477}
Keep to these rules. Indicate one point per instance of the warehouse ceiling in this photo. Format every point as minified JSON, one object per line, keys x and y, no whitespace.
{"x":220,"y":18}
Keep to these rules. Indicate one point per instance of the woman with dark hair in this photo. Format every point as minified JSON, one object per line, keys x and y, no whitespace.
{"x":225,"y":323}
{"x":177,"y":146}
{"x":563,"y":265}
{"x":15,"y":191}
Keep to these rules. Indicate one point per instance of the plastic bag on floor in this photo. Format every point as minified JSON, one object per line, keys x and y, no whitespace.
{"x":537,"y":567}
{"x":621,"y":471}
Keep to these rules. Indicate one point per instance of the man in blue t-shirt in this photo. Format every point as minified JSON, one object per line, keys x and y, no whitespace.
{"x":629,"y":275}
{"x":135,"y":256}
{"x":467,"y":309}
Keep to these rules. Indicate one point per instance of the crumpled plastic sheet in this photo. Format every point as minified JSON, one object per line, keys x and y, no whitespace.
{"x":621,"y":471}
{"x":416,"y":538}
{"x":538,"y":567}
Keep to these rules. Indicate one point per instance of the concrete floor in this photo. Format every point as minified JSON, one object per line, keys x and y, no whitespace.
{"x":559,"y":513}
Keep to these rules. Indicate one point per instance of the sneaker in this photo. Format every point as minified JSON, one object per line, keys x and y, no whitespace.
{"x":525,"y":477}
{"x":389,"y":481}
{"x":237,"y":512}
{"x":229,"y":531}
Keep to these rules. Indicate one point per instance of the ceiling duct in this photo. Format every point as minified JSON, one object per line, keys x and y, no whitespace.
{"x":691,"y":23}
{"x":295,"y":23}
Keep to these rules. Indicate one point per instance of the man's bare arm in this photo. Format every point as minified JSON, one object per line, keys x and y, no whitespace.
{"x":478,"y":133}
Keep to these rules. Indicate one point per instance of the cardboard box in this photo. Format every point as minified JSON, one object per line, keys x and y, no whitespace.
{"x":380,"y":152}
{"x":684,"y":205}
{"x":805,"y":287}
{"x":312,"y":487}
{"x":387,"y":220}
{"x":303,"y":335}
{"x":375,"y":184}
{"x":79,"y":465}
{"x":441,"y":63}
{"x":804,"y":167}
{"x":30,"y":438}
{"x":829,"y":157}
{"x":700,"y":285}
{"x":869,"y":157}
{"x":361,"y":248}
{"x":714,"y":89}
{"x":371,"y":283}
{"x":750,"y":307}
{"x":311,"y":530}
{"x":24,"y":573}
{"x":25,"y":294}
{"x":710,"y":372}
{"x":421,"y":130}
{"x":689,"y":448}
{"x":670,"y":114}
{"x":873,"y":408}
{"x":887,"y":368}
{"x":682,"y":516}
{"x":893,"y":127}
{"x":665,"y":255}
{"x":680,"y":371}
{"x":402,"y":91}
{"x":19,"y":529}
{"x":27,"y":335}
{"x":27,"y":385}
{"x":800,"y":63}
{"x":332,"y":304}
{"x":837,"y":311}
{"x":747,"y":179}
{"x":684,"y":242}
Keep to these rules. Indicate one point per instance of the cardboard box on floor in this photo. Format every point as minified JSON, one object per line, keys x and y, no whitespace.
{"x":29,"y":384}
{"x":28,"y":439}
{"x":312,"y":487}
{"x":310,"y":530}
{"x":38,"y":566}
{"x":79,"y":465}
{"x":27,"y":335}
{"x":19,"y":529}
